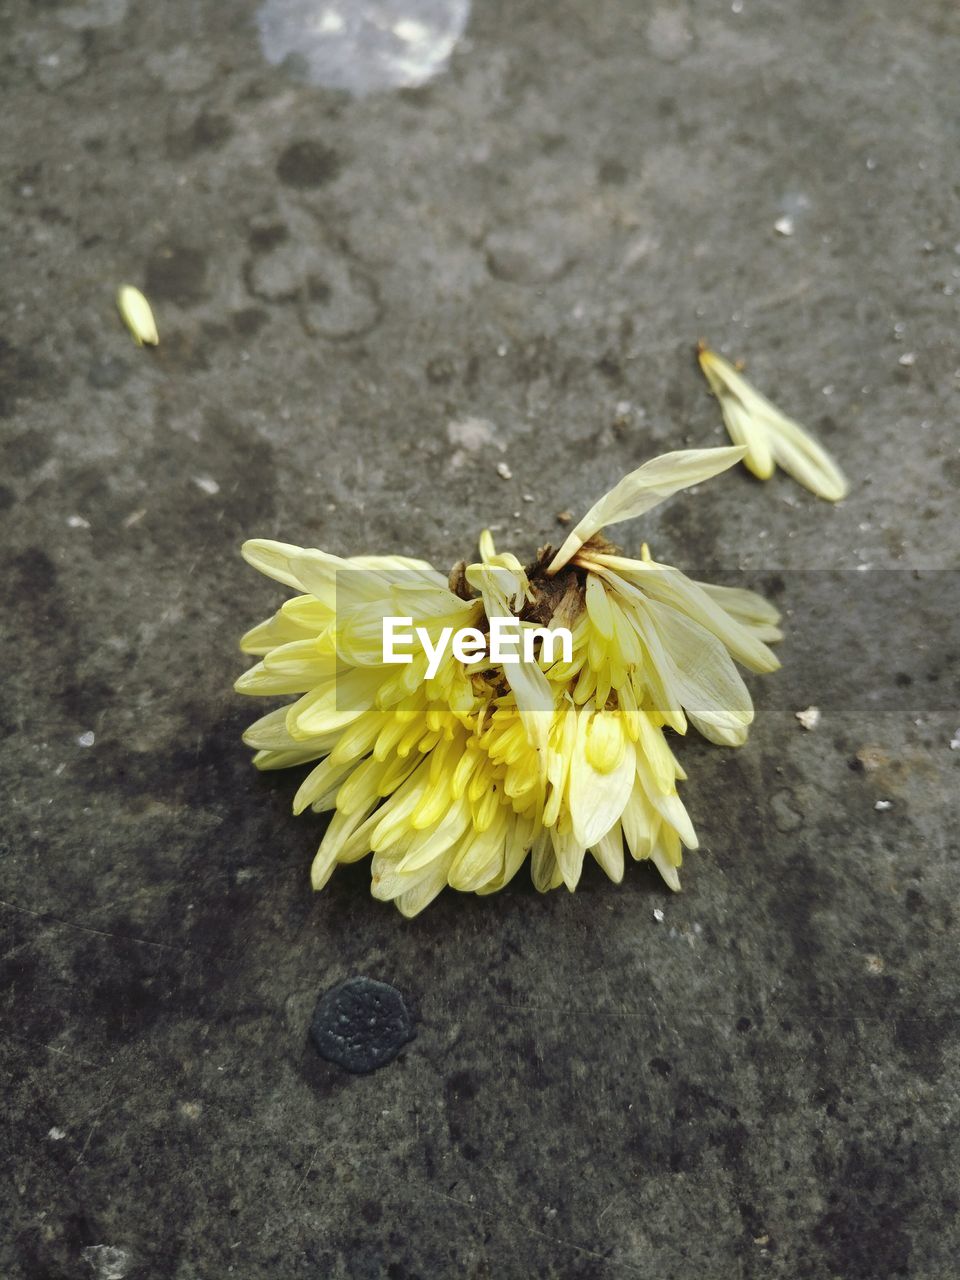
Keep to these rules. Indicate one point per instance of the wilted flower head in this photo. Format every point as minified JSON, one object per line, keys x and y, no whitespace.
{"x":770,"y":438}
{"x":451,"y":772}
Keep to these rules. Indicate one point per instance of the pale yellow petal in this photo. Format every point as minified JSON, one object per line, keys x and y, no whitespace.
{"x":643,"y":489}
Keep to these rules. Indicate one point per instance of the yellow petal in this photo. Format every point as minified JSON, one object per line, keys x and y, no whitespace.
{"x":643,"y":489}
{"x":769,"y":435}
{"x":137,"y":315}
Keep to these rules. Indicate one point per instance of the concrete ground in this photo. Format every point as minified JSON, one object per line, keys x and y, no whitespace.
{"x":764,"y":1081}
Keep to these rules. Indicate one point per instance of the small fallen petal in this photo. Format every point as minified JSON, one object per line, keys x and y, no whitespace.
{"x":768,"y":436}
{"x":883,"y":805}
{"x":784,"y":226}
{"x":137,"y":315}
{"x":810,"y":718}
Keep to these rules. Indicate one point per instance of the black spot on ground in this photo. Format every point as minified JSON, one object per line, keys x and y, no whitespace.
{"x":208,"y":132}
{"x":361,"y":1025}
{"x":307,"y":164}
{"x":248,"y":322}
{"x":863,"y":1234}
{"x":611,"y":173}
{"x":176,"y":273}
{"x":263,"y":237}
{"x":23,"y":375}
{"x":108,"y":373}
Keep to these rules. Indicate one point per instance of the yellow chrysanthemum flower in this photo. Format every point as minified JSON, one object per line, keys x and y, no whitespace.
{"x":452,"y":773}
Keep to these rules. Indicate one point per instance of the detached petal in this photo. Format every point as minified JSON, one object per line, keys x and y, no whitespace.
{"x":809,"y":464}
{"x":137,"y":315}
{"x":769,"y":435}
{"x":643,"y":489}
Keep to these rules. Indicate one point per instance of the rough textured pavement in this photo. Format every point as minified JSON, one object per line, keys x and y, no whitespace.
{"x":764,"y":1082}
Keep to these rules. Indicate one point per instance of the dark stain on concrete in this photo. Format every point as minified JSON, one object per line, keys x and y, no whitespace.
{"x":176,"y":273}
{"x":361,"y":1025}
{"x":307,"y":164}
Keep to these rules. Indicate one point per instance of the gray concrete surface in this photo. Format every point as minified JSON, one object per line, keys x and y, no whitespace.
{"x":764,"y":1083}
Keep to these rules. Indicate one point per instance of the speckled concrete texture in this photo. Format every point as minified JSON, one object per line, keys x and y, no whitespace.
{"x":364,"y":306}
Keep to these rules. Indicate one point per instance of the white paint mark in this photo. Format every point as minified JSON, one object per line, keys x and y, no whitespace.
{"x":329,"y":22}
{"x":411,"y":31}
{"x":107,"y":1260}
{"x":365,"y":45}
{"x":474,"y":434}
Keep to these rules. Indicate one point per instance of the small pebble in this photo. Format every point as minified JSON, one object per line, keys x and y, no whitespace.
{"x":907,"y":359}
{"x":810,"y":718}
{"x":784,"y":226}
{"x":206,"y":484}
{"x":87,"y":739}
{"x":564,"y":517}
{"x":883,"y":805}
{"x":56,"y":1133}
{"x":955,"y":741}
{"x":657,"y":914}
{"x":78,"y":522}
{"x":503,"y":471}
